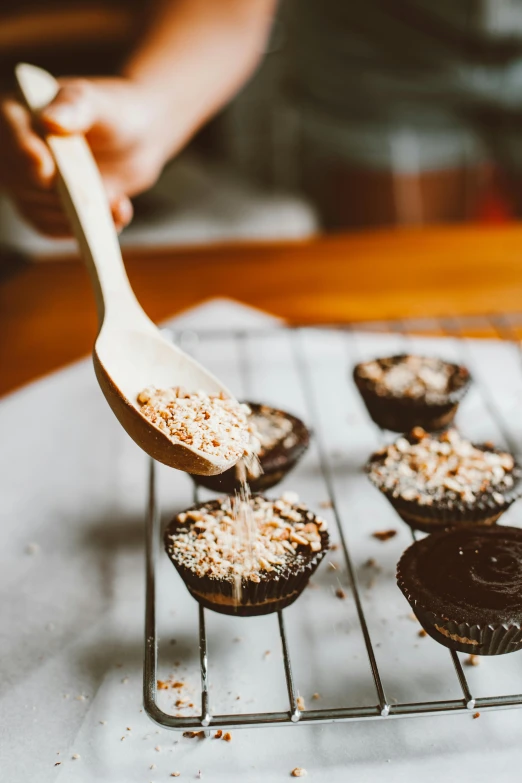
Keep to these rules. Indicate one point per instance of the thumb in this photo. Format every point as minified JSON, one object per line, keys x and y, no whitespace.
{"x":73,"y":110}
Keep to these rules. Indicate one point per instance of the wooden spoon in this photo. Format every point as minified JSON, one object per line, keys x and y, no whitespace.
{"x":130,"y":353}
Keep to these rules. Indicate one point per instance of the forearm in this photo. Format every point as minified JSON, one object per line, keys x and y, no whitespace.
{"x":193,"y":57}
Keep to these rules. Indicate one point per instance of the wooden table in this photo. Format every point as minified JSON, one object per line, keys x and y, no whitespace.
{"x":48,"y":315}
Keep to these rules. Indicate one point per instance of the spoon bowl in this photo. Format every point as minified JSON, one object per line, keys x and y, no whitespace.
{"x":130,"y":353}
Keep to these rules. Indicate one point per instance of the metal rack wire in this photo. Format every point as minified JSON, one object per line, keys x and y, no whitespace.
{"x":383,"y":709}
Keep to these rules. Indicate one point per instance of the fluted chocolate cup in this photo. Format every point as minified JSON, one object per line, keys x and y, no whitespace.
{"x":465,"y":588}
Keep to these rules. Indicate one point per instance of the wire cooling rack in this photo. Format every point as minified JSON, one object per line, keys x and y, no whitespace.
{"x":382,"y":708}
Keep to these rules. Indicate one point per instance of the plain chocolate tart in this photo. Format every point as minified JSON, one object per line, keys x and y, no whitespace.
{"x":278,"y":440}
{"x":436,"y":482}
{"x":465,"y":587}
{"x":247,"y":557}
{"x":404,"y":391}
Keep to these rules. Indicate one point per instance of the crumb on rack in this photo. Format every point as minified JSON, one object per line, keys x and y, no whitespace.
{"x":476,"y":715}
{"x":218,"y":734}
{"x":316,"y":696}
{"x":76,"y":756}
{"x":227,"y":736}
{"x":340,"y":593}
{"x":298,"y":772}
{"x":300,"y":703}
{"x":422,"y":633}
{"x":326,"y":504}
{"x":175,"y":774}
{"x":384,"y":535}
{"x":472,"y":660}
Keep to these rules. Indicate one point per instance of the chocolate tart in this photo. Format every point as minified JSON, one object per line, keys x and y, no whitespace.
{"x":465,"y":587}
{"x":404,"y":391}
{"x":240,"y":574}
{"x":281,"y":441}
{"x":435,"y":482}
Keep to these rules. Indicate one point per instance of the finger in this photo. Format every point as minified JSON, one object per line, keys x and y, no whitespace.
{"x":35,"y":159}
{"x":122,"y":211}
{"x":74,"y":109}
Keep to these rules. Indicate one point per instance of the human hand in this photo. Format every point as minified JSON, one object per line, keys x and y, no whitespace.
{"x":118,"y":120}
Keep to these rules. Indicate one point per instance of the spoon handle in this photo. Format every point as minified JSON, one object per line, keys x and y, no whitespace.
{"x":85,"y":203}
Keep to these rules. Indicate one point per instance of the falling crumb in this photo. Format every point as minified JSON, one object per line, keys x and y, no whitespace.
{"x":175,"y":774}
{"x":422,"y":632}
{"x":227,"y":736}
{"x":298,"y":772}
{"x":125,"y":680}
{"x":340,"y":593}
{"x":300,"y":703}
{"x":75,"y":756}
{"x":158,"y":748}
{"x":332,"y":566}
{"x":32,"y":549}
{"x":218,"y":734}
{"x":472,"y":660}
{"x":476,"y":715}
{"x":326,"y":504}
{"x":316,"y":696}
{"x":384,"y":535}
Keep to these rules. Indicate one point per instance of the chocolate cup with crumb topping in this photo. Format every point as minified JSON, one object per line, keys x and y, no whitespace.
{"x":265,"y":591}
{"x":400,"y":412}
{"x":465,"y":588}
{"x":485,"y":509}
{"x":276,"y":461}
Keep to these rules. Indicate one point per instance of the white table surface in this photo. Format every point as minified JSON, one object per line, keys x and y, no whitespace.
{"x":72,"y":596}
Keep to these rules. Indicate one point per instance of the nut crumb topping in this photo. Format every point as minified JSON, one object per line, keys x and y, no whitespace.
{"x":298,"y":772}
{"x":210,"y":423}
{"x":444,"y":469}
{"x":384,"y":535}
{"x":209,"y":538}
{"x":417,"y":377}
{"x":227,"y":736}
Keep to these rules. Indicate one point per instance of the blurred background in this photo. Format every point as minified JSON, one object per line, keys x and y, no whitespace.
{"x":403,"y":112}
